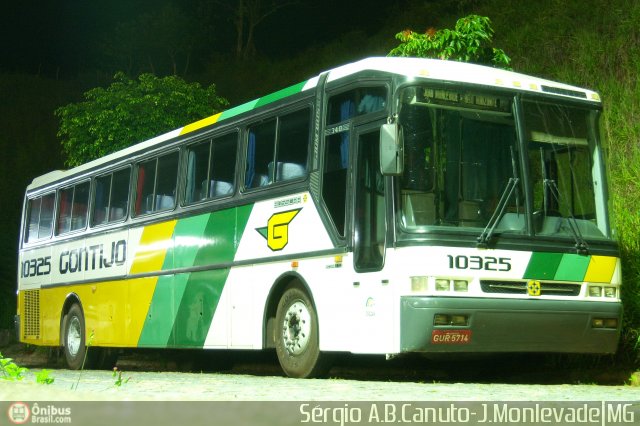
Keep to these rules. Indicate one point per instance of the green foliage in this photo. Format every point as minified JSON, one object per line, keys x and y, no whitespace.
{"x":43,"y":377}
{"x":117,"y":374}
{"x":470,"y":41}
{"x":9,"y":370}
{"x":130,"y":111}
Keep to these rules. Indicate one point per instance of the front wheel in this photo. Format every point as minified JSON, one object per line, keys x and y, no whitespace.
{"x":297,"y":342}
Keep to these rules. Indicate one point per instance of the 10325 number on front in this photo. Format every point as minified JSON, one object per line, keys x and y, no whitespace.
{"x":480,"y":263}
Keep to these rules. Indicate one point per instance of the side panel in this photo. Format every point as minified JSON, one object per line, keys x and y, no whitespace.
{"x":199,"y":281}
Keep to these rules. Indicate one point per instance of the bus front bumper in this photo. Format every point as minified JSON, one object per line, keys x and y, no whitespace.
{"x":452,"y":324}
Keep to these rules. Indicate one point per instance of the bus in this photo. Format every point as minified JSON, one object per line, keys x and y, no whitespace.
{"x":388,"y":206}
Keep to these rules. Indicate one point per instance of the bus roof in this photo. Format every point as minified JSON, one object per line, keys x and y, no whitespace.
{"x":419,"y":68}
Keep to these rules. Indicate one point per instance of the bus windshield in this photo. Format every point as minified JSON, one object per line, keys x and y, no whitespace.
{"x":462,"y":156}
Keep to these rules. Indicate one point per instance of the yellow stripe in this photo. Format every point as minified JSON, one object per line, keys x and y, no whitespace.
{"x":200,"y":124}
{"x":601,"y":269}
{"x":154,"y":243}
{"x":114,"y":311}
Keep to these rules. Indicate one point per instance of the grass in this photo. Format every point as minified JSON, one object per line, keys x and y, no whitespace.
{"x":11,"y":371}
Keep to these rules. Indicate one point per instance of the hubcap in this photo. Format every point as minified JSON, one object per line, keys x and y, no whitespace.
{"x":296,"y":328}
{"x":74,"y":337}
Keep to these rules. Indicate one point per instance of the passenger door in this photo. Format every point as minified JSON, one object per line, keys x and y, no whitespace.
{"x":369,"y":226}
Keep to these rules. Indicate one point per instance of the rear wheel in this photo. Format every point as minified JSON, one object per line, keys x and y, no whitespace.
{"x":75,"y":345}
{"x":297,"y":342}
{"x":74,"y":338}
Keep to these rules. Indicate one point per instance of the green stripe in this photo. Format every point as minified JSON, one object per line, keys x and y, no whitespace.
{"x":183,"y":305}
{"x":194,"y":316}
{"x":543,"y":266}
{"x":204,"y":289}
{"x":186,"y":241}
{"x":238,"y":110}
{"x":280,"y":94}
{"x":557,"y":266}
{"x":167,"y":296}
{"x":573,"y":267}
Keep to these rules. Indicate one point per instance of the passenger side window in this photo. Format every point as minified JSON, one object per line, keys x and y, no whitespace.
{"x":156,"y":184}
{"x":211,"y":168}
{"x":277,"y":149}
{"x":260,"y":150}
{"x":334,"y":186}
{"x":111,"y":197}
{"x":356,"y":102}
{"x":39,"y":217}
{"x":73,"y":208}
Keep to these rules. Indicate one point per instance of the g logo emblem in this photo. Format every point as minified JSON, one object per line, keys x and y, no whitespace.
{"x":277,"y":230}
{"x":533,"y":288}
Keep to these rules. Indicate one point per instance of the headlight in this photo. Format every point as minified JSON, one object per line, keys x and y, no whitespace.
{"x":595,"y":291}
{"x":419,"y":284}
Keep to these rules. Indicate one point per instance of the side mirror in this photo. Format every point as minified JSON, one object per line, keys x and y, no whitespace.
{"x":391,"y":150}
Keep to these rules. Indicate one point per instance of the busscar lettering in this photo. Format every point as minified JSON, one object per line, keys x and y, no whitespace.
{"x":93,"y":257}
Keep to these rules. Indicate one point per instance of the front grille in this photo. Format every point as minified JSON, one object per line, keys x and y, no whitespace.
{"x":31,"y":314}
{"x":520,"y":287}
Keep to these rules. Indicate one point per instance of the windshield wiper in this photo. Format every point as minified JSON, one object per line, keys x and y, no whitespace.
{"x":581,"y":245}
{"x":485,"y":237}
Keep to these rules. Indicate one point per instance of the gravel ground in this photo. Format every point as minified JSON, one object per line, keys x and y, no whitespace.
{"x":256,"y":377}
{"x":100,"y":385}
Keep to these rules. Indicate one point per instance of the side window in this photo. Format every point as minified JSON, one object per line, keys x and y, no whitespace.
{"x":73,"y":208}
{"x":277,"y":149}
{"x":293,"y":145}
{"x":156,"y":184}
{"x":39,"y":218}
{"x":260,"y":150}
{"x":360,"y":101}
{"x":334,"y":184}
{"x":111,"y":197}
{"x":211,"y":168}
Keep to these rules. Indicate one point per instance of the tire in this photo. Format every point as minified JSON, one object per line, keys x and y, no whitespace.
{"x":296,"y":335}
{"x":74,"y":338}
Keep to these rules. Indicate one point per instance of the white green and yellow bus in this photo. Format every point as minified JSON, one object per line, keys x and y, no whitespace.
{"x":387,"y":206}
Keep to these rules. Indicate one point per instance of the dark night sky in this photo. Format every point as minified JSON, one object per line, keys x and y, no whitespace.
{"x":66,"y":36}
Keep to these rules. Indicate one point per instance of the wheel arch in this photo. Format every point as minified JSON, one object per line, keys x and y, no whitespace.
{"x":70,"y":300}
{"x":278,"y":288}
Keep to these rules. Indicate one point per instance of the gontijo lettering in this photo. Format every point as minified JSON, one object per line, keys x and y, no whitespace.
{"x":93,"y":257}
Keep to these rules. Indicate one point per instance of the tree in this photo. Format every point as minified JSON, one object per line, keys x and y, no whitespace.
{"x":247,"y":16}
{"x":469,"y":41}
{"x":130,"y":111}
{"x":162,"y":42}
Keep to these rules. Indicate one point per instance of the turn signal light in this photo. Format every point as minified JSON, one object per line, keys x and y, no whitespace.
{"x":604,"y":323}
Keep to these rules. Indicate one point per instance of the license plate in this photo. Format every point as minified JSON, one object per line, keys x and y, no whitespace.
{"x":451,"y":337}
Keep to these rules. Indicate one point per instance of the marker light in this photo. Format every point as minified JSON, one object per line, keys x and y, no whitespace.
{"x":442,"y":285}
{"x":610,"y":292}
{"x":419,"y":284}
{"x":460,"y":285}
